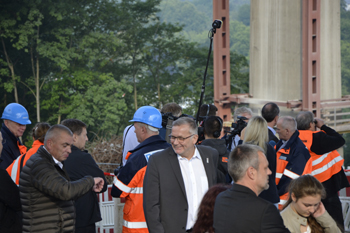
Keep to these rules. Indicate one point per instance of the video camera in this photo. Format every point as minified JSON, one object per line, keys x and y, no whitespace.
{"x":237,"y":129}
{"x":239,"y":126}
{"x":167,"y":123}
{"x":169,"y":116}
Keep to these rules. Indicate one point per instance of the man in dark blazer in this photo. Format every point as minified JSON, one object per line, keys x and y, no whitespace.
{"x":176,"y":180}
{"x":79,"y":164}
{"x":239,"y":209}
{"x":270,"y":112}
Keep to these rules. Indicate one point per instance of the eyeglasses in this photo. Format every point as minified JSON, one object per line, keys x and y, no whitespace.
{"x":315,"y":121}
{"x":179,"y":139}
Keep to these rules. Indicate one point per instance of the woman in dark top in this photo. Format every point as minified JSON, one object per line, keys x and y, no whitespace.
{"x":256,"y":133}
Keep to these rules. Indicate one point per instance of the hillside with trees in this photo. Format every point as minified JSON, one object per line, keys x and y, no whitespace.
{"x":98,"y":61}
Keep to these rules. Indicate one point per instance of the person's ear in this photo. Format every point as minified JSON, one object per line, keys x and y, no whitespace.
{"x":74,"y":137}
{"x":251,"y":173}
{"x":49,"y":144}
{"x":195,"y":138}
{"x":310,"y":125}
{"x":287,"y":131}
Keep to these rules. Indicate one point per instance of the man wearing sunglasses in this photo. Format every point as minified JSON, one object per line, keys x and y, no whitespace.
{"x":176,"y":180}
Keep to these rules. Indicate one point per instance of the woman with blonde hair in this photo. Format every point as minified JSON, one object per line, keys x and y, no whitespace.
{"x":257,"y":133}
{"x":304,"y":211}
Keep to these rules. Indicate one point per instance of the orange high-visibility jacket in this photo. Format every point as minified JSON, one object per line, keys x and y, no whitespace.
{"x":16,"y":166}
{"x":293,"y":160}
{"x":134,"y":218}
{"x":323,"y":166}
{"x":22,"y":148}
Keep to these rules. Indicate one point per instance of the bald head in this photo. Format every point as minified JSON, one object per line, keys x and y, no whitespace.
{"x":58,"y":141}
{"x":55,"y":132}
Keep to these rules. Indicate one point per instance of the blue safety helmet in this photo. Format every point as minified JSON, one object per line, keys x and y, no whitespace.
{"x":148,"y":115}
{"x":17,"y":113}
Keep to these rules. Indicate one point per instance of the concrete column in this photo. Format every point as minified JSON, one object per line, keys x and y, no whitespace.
{"x":330,"y":50}
{"x":275,"y":50}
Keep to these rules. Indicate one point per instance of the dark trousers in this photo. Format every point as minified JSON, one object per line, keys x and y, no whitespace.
{"x":334,"y":208}
{"x":88,"y":229}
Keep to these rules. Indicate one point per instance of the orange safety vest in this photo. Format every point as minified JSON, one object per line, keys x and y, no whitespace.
{"x":281,"y":170}
{"x":134,"y":218}
{"x":323,"y":166}
{"x":16,"y":166}
{"x":22,"y":148}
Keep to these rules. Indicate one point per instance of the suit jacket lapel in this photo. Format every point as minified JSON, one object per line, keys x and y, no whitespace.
{"x":207,"y":163}
{"x":174,"y":162}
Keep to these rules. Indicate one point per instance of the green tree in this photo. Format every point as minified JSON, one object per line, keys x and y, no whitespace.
{"x":239,"y":72}
{"x":244,"y":14}
{"x":239,"y":37}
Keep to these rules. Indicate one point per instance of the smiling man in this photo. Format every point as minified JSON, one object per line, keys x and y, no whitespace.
{"x":239,"y":209}
{"x":176,"y":180}
{"x":46,"y":191}
{"x":15,"y":118}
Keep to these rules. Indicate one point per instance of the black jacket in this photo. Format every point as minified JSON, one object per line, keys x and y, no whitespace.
{"x":271,"y":194}
{"x":10,"y":151}
{"x":10,"y":205}
{"x":220,"y":146}
{"x":238,"y":209}
{"x":79,"y":164}
{"x":46,"y":195}
{"x":272,"y":137}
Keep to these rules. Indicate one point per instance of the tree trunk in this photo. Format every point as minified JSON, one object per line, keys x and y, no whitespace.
{"x":37,"y":82}
{"x":37,"y":85}
{"x":158,"y":90}
{"x":59,"y":115}
{"x":10,"y":65}
{"x":14,"y":82}
{"x":135,"y":93}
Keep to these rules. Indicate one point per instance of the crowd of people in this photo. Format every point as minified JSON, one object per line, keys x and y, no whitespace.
{"x":271,"y":173}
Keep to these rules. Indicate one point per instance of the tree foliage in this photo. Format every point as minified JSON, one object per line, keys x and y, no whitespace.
{"x":98,"y":61}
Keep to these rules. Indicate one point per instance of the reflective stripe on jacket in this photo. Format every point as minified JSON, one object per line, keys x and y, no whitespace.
{"x":16,"y":166}
{"x":133,"y":219}
{"x":292,"y":161}
{"x":323,"y":166}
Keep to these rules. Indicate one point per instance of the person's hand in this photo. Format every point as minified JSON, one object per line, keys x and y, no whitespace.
{"x":98,"y":186}
{"x":319,"y":211}
{"x":320,"y":123}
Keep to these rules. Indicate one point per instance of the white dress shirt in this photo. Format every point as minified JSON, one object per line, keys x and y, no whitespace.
{"x":196,"y":184}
